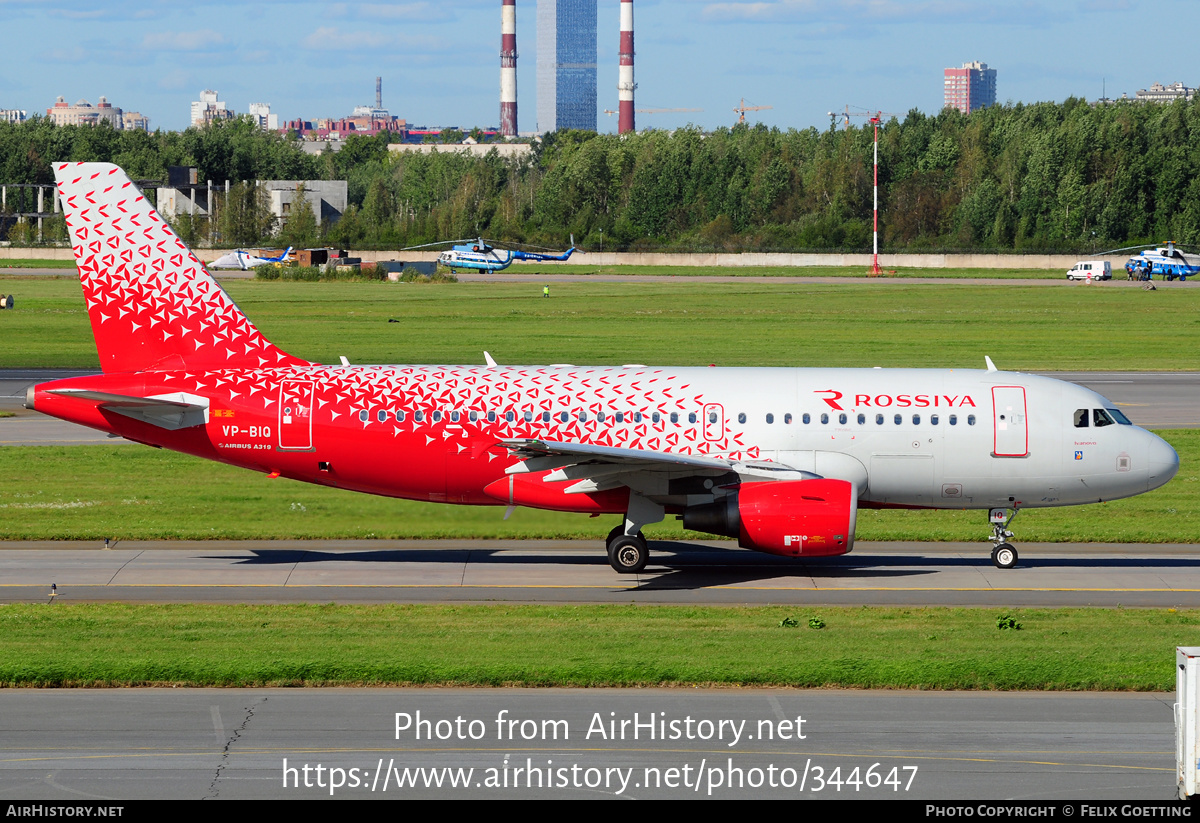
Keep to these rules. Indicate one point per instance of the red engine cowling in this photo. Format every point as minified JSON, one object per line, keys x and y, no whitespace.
{"x":809,"y":518}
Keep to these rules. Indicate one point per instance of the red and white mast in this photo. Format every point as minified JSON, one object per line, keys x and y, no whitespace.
{"x":508,"y":68}
{"x":875,"y":270}
{"x":625,"y":84}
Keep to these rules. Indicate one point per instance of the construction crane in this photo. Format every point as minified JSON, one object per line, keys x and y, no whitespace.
{"x":743,"y":108}
{"x":875,"y":119}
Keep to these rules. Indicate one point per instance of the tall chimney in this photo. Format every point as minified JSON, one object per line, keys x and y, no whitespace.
{"x":625,"y":84}
{"x":508,"y":68}
{"x":378,"y":92}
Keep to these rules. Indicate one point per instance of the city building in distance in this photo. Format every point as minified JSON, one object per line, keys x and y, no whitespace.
{"x":970,"y":88}
{"x":12,"y":115}
{"x":566,"y":65}
{"x":1158,"y":93}
{"x":208,"y":109}
{"x":84,"y":113}
{"x":261,"y":112}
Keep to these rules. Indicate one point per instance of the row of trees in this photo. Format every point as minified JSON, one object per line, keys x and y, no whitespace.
{"x":1047,"y":176}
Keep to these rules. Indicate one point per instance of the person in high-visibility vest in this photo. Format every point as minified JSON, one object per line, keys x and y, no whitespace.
{"x":545,"y":291}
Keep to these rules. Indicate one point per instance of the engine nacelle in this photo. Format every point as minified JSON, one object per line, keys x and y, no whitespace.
{"x":809,"y":518}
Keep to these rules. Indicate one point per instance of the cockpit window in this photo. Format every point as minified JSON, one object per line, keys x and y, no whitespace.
{"x":1119,"y":417}
{"x":1081,"y":418}
{"x":1100,"y":418}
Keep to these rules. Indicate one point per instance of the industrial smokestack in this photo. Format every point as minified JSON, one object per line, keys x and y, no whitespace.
{"x":508,"y":68}
{"x":625,"y":84}
{"x":378,"y":92}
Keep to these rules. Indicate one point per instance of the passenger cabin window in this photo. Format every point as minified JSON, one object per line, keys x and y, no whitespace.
{"x":933,"y":419}
{"x":437,"y":417}
{"x":419,"y":416}
{"x":656,"y":417}
{"x":1100,"y":418}
{"x":528,"y":417}
{"x":583,"y":417}
{"x":879,"y":420}
{"x":400,"y":417}
{"x":691,"y":417}
{"x":916,"y":419}
{"x":563,"y":416}
{"x":1081,"y":418}
{"x":806,"y":418}
{"x":637,"y":417}
{"x":600,"y":417}
{"x":787,"y":418}
{"x":454,"y":417}
{"x":675,"y":417}
{"x":381,"y":416}
{"x":510,"y":416}
{"x":712,"y":417}
{"x":770,"y":417}
{"x":824,"y":419}
{"x":898,"y":419}
{"x":362,"y":415}
{"x":842,"y":419}
{"x":473,"y":416}
{"x":545,"y":417}
{"x":970,"y":420}
{"x":954,"y":420}
{"x":742,"y":417}
{"x":620,"y":417}
{"x":862,"y":419}
{"x":491,"y":416}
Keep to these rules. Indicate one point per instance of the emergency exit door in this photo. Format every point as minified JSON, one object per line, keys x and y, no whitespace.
{"x":295,"y":414}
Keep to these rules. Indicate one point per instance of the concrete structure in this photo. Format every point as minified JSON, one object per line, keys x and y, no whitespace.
{"x":209,"y":109}
{"x":261,"y":112}
{"x":12,"y":115}
{"x":84,"y":113}
{"x":1158,"y":93}
{"x":366,"y":121}
{"x":969,"y":88}
{"x":476,"y":149}
{"x":566,"y":65}
{"x":625,"y":84}
{"x":135,"y":121}
{"x":508,"y":68}
{"x":328,"y":198}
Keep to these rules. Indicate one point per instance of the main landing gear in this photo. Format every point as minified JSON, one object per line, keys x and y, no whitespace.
{"x":1004,"y":555}
{"x":627,"y":548}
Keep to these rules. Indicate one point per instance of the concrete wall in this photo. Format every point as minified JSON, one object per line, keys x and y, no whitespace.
{"x":1059,"y":262}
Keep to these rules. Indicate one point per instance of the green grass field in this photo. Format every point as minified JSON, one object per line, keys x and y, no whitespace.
{"x":689,"y":322}
{"x":135,"y":493}
{"x":900,"y":272}
{"x":203,"y":645}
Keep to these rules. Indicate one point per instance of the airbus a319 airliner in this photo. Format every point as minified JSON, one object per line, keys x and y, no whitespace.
{"x":780,"y":459}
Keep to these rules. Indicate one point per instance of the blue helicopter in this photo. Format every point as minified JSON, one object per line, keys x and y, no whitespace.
{"x":1167,"y":261}
{"x":481,"y":255}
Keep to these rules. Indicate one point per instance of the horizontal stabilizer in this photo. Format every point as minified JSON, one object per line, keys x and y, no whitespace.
{"x":167,"y":411}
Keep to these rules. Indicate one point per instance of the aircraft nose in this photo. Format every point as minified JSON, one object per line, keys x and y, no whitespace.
{"x":1162,"y":461}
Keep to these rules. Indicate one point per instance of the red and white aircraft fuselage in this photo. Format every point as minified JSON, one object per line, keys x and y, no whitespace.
{"x":779,"y":458}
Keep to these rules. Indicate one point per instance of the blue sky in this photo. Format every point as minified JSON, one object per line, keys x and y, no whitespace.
{"x":440,"y":66}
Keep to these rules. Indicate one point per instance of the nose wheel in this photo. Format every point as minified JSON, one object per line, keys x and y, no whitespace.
{"x":1004,"y":555}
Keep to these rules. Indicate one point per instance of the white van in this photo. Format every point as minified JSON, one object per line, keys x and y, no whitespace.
{"x":1091,"y":270}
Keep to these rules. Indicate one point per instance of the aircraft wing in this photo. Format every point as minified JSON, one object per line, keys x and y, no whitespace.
{"x":597,"y":468}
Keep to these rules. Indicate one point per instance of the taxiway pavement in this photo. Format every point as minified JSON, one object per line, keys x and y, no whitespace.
{"x":575,"y":571}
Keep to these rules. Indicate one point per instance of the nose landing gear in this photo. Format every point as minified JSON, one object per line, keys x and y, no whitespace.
{"x":1004,"y":555}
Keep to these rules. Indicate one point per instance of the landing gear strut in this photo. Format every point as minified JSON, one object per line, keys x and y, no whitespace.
{"x":1004,"y":555}
{"x":627,"y":548}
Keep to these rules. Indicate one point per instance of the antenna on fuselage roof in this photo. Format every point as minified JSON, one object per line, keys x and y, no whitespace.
{"x":487,"y":358}
{"x":991,"y":366}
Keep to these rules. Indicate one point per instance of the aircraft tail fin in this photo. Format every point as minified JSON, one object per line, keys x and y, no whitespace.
{"x":152,"y":304}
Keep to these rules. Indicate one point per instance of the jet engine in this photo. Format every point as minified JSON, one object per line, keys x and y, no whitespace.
{"x":793,"y":518}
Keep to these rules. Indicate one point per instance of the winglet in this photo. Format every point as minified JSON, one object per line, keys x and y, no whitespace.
{"x":991,"y":366}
